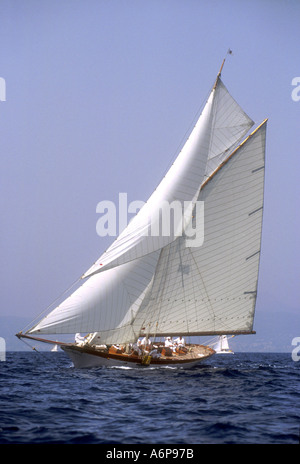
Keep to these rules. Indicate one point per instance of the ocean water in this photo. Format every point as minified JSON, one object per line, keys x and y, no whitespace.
{"x":245,"y":398}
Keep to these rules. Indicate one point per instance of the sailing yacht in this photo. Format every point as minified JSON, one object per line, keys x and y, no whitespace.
{"x":222,"y":346}
{"x":157,"y":286}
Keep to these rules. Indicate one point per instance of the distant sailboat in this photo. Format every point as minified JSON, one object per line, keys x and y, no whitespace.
{"x":55,"y":348}
{"x":222,"y":346}
{"x":157,"y":286}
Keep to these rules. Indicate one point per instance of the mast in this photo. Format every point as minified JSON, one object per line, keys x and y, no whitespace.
{"x":219,"y":74}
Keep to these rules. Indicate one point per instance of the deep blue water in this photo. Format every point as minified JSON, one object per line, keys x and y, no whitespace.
{"x":245,"y":398}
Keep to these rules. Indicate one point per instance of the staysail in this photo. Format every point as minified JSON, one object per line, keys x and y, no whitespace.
{"x":157,"y":284}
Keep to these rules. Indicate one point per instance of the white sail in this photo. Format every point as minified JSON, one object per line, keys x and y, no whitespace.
{"x":222,"y":346}
{"x":220,"y":126}
{"x":106,"y":302}
{"x":230,"y":124}
{"x":212,"y":289}
{"x":218,"y":345}
{"x":224,"y":342}
{"x":157,"y":284}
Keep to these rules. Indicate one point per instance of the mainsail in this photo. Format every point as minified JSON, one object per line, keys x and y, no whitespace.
{"x":156,"y":284}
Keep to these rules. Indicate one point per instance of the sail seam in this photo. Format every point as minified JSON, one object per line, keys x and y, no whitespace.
{"x":254,"y":254}
{"x":255,"y":211}
{"x":258,"y":169}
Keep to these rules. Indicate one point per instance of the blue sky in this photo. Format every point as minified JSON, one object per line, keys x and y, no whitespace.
{"x":99,"y":95}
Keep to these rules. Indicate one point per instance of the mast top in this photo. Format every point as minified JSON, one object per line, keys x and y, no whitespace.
{"x":229,"y":52}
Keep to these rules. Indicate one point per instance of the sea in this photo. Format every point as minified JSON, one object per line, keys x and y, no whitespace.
{"x":243,"y":398}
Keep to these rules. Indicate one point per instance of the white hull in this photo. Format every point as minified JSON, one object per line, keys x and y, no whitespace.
{"x":83,"y":359}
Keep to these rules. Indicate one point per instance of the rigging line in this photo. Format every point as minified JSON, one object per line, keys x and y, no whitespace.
{"x":209,"y":301}
{"x":181,"y":268}
{"x":212,"y":341}
{"x":146,"y":299}
{"x":31,"y":347}
{"x":161,"y":287}
{"x":162,"y":283}
{"x":51,"y":304}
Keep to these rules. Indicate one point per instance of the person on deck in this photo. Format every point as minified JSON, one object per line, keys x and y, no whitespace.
{"x":155,"y":353}
{"x":180,"y":341}
{"x":168,"y":342}
{"x":146,"y":344}
{"x":137,"y":349}
{"x":79,"y":339}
